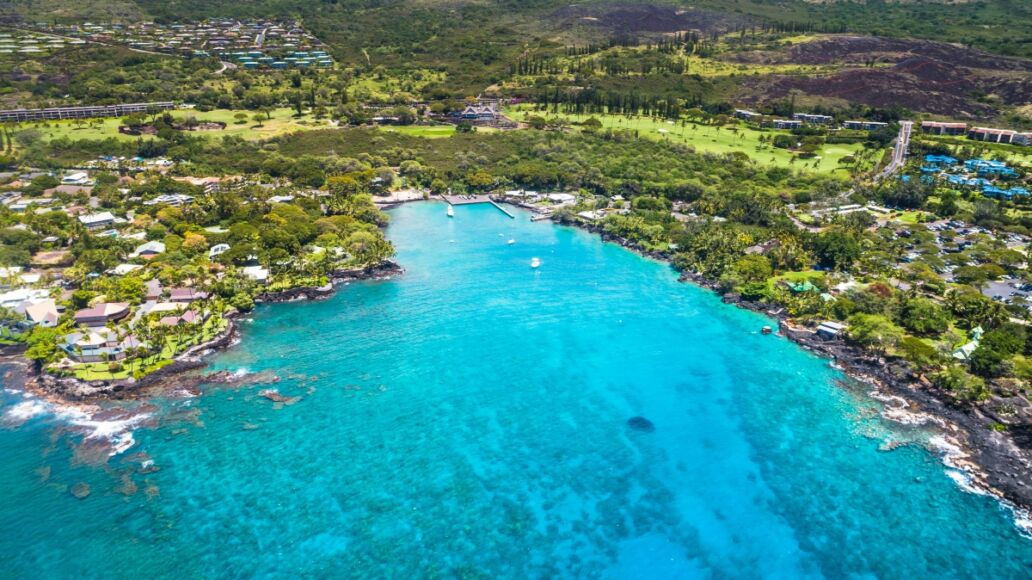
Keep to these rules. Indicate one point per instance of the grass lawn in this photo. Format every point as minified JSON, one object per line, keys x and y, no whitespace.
{"x":812,"y":276}
{"x":910,"y":217}
{"x":428,"y":131}
{"x":100,"y":371}
{"x":713,"y":139}
{"x":282,"y":121}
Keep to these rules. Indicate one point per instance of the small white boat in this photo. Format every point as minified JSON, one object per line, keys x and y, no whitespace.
{"x":451,"y":211}
{"x":511,"y":241}
{"x":534,"y":262}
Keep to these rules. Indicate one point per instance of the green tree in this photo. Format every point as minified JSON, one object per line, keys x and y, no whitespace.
{"x":923,"y":316}
{"x":873,"y":331}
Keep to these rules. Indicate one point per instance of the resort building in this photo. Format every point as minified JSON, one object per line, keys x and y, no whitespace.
{"x":1022,"y":139}
{"x":482,"y":112}
{"x":57,"y":113}
{"x":991,"y":135}
{"x":813,"y":119}
{"x":787,"y":124}
{"x":864,"y":125}
{"x":939,"y":128}
{"x":747,"y":115}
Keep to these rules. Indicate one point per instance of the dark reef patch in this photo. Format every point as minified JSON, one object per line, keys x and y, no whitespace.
{"x":641,"y":424}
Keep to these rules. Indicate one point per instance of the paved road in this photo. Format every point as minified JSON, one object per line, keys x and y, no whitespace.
{"x":899,"y":152}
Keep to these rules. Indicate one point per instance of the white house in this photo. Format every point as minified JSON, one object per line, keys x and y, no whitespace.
{"x":256,"y":273}
{"x":77,"y":178}
{"x":217,"y":250}
{"x":96,"y":221}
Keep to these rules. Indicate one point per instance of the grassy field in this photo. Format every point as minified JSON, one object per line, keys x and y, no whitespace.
{"x":720,"y":140}
{"x":282,"y":121}
{"x":428,"y":131}
{"x":101,"y":371}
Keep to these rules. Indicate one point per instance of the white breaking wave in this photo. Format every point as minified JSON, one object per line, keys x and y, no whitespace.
{"x":118,"y":432}
{"x":953,"y":457}
{"x":25,"y":410}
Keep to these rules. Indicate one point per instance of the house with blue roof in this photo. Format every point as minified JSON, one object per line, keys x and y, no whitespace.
{"x":940,"y":160}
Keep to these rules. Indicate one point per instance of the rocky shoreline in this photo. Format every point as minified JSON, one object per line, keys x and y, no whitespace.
{"x":997,"y":463}
{"x":183,"y":373}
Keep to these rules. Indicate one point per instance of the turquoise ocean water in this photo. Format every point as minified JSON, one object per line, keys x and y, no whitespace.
{"x":469,"y":419}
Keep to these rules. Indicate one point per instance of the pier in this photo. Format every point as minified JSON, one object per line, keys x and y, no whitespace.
{"x":475,"y":199}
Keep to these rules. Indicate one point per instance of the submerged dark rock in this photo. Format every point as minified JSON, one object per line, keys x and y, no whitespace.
{"x":81,"y":490}
{"x":641,"y":424}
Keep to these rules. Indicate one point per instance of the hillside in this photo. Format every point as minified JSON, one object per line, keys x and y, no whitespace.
{"x":709,"y":53}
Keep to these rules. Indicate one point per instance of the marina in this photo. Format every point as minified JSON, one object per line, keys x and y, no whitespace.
{"x":456,"y":200}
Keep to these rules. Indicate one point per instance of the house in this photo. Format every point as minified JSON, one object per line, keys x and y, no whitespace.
{"x":173,"y":199}
{"x":13,"y":298}
{"x":188,"y":317}
{"x":43,"y":313}
{"x":77,"y":178}
{"x":938,"y":128}
{"x":186,"y":295}
{"x":256,"y":273}
{"x":864,"y":125}
{"x":217,"y":250}
{"x":940,"y":160}
{"x":96,"y":221}
{"x":964,"y":352}
{"x":829,"y":330}
{"x":561,"y":198}
{"x":97,"y":345}
{"x":69,"y":189}
{"x":102,"y":313}
{"x":148,"y":250}
{"x":787,"y":124}
{"x":123,"y":269}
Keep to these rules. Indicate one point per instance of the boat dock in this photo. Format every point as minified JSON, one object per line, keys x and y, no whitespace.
{"x":475,"y":199}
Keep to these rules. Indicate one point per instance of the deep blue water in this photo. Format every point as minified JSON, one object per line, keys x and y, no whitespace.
{"x":470,"y":419}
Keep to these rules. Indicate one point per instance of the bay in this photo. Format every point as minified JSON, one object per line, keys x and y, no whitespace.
{"x":470,"y":418}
